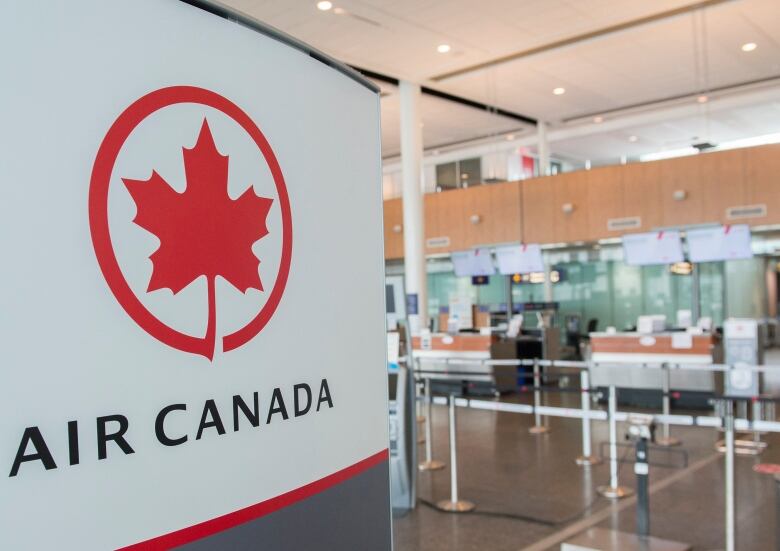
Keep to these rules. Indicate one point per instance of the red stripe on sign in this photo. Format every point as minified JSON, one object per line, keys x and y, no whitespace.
{"x":231,"y":520}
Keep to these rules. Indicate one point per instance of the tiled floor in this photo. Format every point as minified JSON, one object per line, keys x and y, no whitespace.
{"x":529,"y":490}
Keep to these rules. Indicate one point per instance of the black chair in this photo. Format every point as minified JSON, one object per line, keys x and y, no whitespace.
{"x":593,"y":325}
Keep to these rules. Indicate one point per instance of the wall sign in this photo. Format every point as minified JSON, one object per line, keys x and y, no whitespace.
{"x":162,"y":216}
{"x":622,"y":224}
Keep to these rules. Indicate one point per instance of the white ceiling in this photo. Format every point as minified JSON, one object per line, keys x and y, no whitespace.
{"x":676,"y":56}
{"x":445,"y":123}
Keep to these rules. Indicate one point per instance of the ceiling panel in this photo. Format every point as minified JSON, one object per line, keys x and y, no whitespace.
{"x":676,"y":56}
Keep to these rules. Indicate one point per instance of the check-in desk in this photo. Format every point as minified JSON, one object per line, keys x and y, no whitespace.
{"x":644,"y":387}
{"x":463,"y":378}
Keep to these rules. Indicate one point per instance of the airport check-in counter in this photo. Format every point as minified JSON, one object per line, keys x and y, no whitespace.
{"x":644,"y":386}
{"x":474,"y":378}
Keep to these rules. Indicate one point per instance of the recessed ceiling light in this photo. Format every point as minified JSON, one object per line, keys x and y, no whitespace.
{"x":339,"y":11}
{"x":443,"y":48}
{"x":559,"y":91}
{"x":598,"y":119}
{"x":510,"y":136}
{"x":324,"y":5}
{"x":702,"y":99}
{"x":749,"y":47}
{"x":632,"y":138}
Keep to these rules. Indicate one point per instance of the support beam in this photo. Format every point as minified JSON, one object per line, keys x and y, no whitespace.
{"x":414,"y":230}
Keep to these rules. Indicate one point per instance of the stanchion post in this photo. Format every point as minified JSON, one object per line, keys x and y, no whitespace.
{"x":728,"y":422}
{"x":777,"y":510}
{"x":666,"y":439}
{"x":756,"y":417}
{"x":429,"y":464}
{"x":418,"y":411}
{"x":538,"y":427}
{"x":454,"y":504}
{"x":614,"y":490}
{"x":587,"y":457}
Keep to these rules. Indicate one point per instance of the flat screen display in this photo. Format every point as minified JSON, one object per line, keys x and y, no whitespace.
{"x":645,"y":249}
{"x":519,"y":259}
{"x":476,"y":262}
{"x":719,"y":243}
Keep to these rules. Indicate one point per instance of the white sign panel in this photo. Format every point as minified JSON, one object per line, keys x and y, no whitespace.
{"x":187,"y":203}
{"x":643,"y":249}
{"x":719,"y":243}
{"x":519,"y":259}
{"x":477,"y":262}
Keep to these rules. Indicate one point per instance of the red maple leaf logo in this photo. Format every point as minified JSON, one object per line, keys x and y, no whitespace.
{"x":202,"y":231}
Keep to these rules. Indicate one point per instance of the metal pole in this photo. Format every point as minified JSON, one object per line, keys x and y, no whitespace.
{"x":730,"y":518}
{"x":538,"y":427}
{"x":586,"y":458}
{"x":756,"y":417}
{"x":614,"y":490}
{"x":454,"y":505}
{"x":666,"y":439}
{"x":418,"y":412}
{"x":777,"y":511}
{"x":429,"y":464}
{"x":695,"y":294}
{"x":643,"y":497}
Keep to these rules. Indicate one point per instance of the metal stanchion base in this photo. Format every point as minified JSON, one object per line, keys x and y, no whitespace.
{"x":586,"y":460}
{"x":667,"y":442}
{"x":459,"y":506}
{"x":617,"y":492}
{"x":539,"y":429}
{"x":432,"y":465}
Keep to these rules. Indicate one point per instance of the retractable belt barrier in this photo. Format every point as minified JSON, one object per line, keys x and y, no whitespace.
{"x":725,"y":419}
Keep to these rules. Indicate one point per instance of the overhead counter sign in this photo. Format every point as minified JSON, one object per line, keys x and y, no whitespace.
{"x":172,"y":376}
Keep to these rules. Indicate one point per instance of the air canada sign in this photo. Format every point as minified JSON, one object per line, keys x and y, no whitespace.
{"x":203,"y":233}
{"x":192,"y":331}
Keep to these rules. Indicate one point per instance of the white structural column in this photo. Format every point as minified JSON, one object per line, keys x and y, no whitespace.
{"x":414,"y":230}
{"x":543,"y":148}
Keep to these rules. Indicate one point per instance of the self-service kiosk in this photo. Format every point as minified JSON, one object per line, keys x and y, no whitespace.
{"x":403,"y":438}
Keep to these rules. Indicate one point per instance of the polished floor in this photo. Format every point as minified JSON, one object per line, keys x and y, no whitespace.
{"x":530,"y":494}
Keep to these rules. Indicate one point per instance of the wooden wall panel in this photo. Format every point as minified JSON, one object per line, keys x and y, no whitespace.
{"x":444,"y":219}
{"x":684,"y":174}
{"x":538,"y":207}
{"x":393,"y":225}
{"x":642,"y":194}
{"x":723,"y":183}
{"x":570,"y":187}
{"x":605,"y":187}
{"x":499,"y":208}
{"x":531,"y":211}
{"x":762,"y":181}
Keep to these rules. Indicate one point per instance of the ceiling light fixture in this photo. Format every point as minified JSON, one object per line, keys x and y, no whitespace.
{"x":702,"y":99}
{"x":749,"y":46}
{"x":339,"y":11}
{"x":443,"y":48}
{"x":632,"y":139}
{"x":559,"y":91}
{"x":510,"y":136}
{"x":324,"y":5}
{"x":598,"y":119}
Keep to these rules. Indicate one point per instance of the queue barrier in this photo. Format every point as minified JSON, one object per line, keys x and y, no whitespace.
{"x":725,"y":420}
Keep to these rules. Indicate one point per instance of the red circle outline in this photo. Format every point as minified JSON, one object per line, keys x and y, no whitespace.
{"x":100,"y":180}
